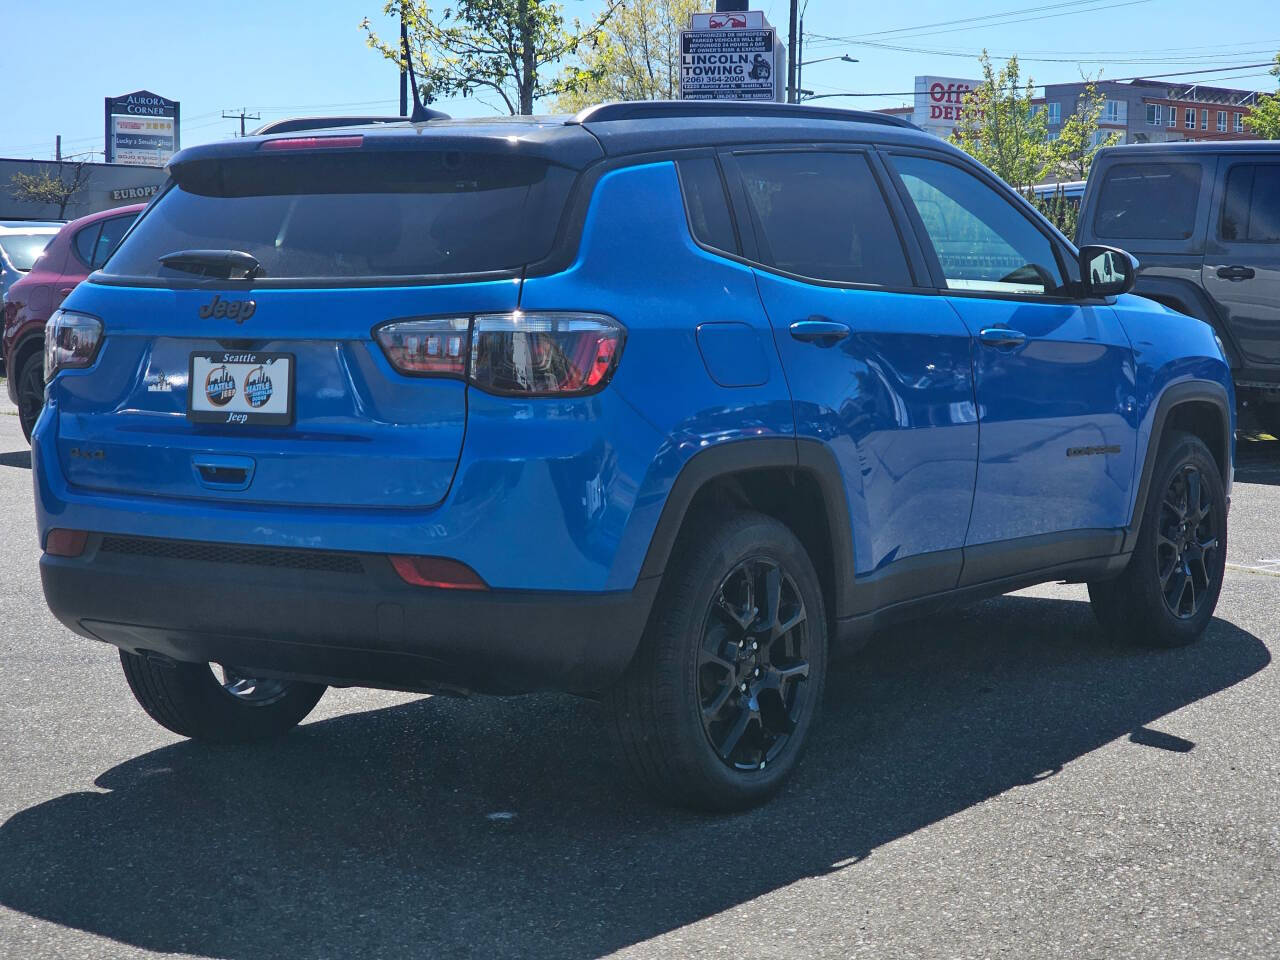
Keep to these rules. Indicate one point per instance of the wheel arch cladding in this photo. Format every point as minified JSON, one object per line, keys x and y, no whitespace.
{"x":797,"y":483}
{"x":1200,"y":407}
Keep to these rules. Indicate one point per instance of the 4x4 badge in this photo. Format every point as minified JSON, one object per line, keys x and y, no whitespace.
{"x":237,"y":310}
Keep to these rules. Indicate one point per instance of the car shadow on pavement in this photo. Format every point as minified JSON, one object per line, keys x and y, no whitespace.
{"x":500,"y":828}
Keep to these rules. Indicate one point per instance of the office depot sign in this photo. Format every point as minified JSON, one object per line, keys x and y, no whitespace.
{"x":939,"y":103}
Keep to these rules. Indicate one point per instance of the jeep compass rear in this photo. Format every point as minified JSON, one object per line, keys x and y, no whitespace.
{"x":651,"y":404}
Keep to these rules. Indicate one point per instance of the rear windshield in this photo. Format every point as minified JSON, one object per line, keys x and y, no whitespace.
{"x":24,"y":249}
{"x":1148,"y":201}
{"x":367,"y":214}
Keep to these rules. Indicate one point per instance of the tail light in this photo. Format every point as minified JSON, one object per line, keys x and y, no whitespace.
{"x":71,"y":342}
{"x":345,"y":141}
{"x":517,"y":354}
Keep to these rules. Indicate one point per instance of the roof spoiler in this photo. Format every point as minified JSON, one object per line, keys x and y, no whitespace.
{"x":296,"y":124}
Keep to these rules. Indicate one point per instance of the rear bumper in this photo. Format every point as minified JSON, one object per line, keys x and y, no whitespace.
{"x":343,"y":619}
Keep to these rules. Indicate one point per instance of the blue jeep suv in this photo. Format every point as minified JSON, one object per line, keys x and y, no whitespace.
{"x":663,"y":404}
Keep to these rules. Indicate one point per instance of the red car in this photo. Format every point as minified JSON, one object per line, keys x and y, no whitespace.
{"x":80,"y":247}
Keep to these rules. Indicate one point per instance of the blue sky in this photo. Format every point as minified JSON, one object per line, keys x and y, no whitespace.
{"x":282,"y":58}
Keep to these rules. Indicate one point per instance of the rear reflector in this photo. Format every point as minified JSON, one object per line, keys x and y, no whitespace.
{"x":65,"y":543}
{"x":313,"y":143}
{"x":437,"y":572}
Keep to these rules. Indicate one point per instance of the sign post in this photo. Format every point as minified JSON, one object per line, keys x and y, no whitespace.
{"x":142,"y":129}
{"x":731,"y":55}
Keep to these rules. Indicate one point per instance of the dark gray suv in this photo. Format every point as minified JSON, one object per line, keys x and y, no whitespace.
{"x":1204,"y":220}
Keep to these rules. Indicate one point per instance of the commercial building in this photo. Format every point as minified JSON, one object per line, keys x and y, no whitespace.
{"x":104,"y":185}
{"x":1140,"y":111}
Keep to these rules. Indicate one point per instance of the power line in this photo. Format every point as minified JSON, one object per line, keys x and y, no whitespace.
{"x":1041,"y":86}
{"x":242,"y":116}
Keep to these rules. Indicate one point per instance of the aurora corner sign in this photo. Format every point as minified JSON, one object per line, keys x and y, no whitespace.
{"x":142,"y":129}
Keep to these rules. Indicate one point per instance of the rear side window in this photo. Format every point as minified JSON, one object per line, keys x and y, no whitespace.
{"x":1148,"y":201}
{"x":822,"y":215}
{"x":96,"y":242}
{"x":366,"y":214}
{"x":1252,"y":209}
{"x":707,"y":205}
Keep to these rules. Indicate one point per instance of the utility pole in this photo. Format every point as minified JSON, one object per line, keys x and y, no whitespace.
{"x":800,"y":60}
{"x":793,"y":56}
{"x":242,"y":116}
{"x":404,"y":56}
{"x":57,"y":148}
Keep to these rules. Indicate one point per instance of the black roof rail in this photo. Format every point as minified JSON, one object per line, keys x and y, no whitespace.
{"x":663,"y":109}
{"x":295,"y":124}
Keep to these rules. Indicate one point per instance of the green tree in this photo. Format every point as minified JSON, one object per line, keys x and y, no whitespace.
{"x":47,"y":187}
{"x":1264,"y":118}
{"x":637,"y":58}
{"x":1078,"y":139}
{"x":1002,"y":128}
{"x":504,"y":47}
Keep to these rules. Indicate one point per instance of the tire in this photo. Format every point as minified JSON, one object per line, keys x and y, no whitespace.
{"x":188,"y":699}
{"x":30,"y":392}
{"x":690,"y":663}
{"x":1167,"y":594}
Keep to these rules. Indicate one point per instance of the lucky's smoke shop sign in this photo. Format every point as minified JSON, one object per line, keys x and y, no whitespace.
{"x":142,"y":129}
{"x":728,"y":64}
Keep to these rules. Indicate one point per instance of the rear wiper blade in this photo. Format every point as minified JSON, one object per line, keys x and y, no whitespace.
{"x":222,"y":264}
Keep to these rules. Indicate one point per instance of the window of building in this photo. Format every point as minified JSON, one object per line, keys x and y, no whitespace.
{"x":1055,"y":113}
{"x":1222,"y":121}
{"x":1190,"y":118}
{"x":1239,"y":122}
{"x":822,"y":215}
{"x":1148,"y":201}
{"x":704,"y":198}
{"x":1111,"y":112}
{"x":1173,"y":115}
{"x":982,"y":241}
{"x":1204,"y":119}
{"x":1155,"y":115}
{"x":1251,"y":212}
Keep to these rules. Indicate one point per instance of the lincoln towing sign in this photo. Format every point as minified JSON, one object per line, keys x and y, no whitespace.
{"x":142,"y":129}
{"x":730,"y":56}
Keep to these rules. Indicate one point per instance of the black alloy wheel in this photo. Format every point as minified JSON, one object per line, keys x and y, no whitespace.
{"x":716,"y":706}
{"x":1166,"y":594}
{"x":1186,"y":543}
{"x":753,"y":665}
{"x":30,"y":393}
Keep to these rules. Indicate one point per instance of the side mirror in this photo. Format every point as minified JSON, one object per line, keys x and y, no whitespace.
{"x":1107,"y":271}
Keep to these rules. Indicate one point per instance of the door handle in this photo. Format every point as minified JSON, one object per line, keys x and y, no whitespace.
{"x":820,"y":330}
{"x":1235,"y":272}
{"x":1002,"y":337}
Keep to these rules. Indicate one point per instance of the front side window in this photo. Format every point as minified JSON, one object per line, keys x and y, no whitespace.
{"x":982,"y":241}
{"x":1251,"y":212}
{"x":1148,"y":201}
{"x":823,"y":216}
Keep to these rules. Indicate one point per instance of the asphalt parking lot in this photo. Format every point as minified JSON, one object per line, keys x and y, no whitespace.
{"x":997,"y":782}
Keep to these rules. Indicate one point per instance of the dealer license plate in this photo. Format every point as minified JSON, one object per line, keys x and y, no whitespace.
{"x":241,"y":388}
